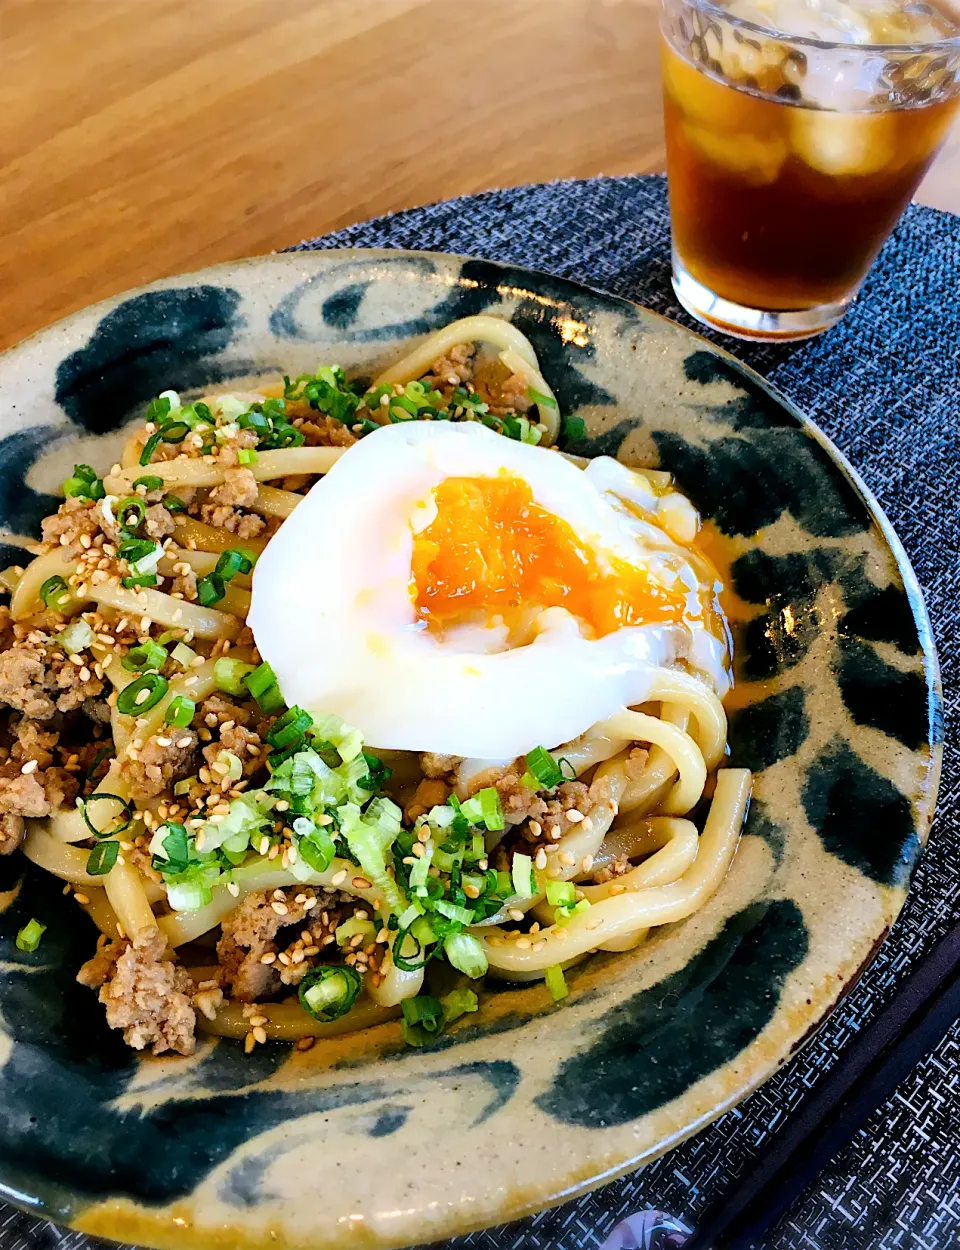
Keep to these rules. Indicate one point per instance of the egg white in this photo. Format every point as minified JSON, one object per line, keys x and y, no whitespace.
{"x":332,"y":614}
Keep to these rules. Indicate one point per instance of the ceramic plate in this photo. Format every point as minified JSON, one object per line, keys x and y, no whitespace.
{"x":364,"y":1142}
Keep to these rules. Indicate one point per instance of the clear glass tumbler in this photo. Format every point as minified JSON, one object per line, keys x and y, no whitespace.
{"x":796,"y":131}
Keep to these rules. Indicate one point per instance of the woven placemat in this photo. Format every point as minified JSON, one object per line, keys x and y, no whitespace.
{"x":885,"y":386}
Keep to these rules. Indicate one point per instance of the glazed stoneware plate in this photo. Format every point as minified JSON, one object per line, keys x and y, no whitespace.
{"x":363,"y":1142}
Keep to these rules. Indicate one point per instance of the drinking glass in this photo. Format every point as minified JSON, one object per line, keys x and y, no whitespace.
{"x":796,"y":132}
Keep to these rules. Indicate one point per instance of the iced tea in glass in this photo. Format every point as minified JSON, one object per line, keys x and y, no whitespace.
{"x":797,"y":131}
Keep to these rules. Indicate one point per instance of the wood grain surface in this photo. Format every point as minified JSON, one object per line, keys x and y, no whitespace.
{"x":140,"y":138}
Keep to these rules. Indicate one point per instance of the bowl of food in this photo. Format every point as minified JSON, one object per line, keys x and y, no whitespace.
{"x":454,"y":720}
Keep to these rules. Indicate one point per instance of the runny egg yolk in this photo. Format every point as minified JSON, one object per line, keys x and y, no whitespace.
{"x":492,"y":551}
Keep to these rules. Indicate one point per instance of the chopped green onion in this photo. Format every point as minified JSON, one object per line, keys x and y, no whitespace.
{"x":290,"y":728}
{"x":117,"y":823}
{"x":520,"y":429}
{"x":329,"y":993}
{"x":149,"y":447}
{"x":173,"y":503}
{"x":54,"y":591}
{"x":247,"y":455}
{"x":28,"y":939}
{"x":102,"y":858}
{"x":452,"y":911}
{"x":174,"y":431}
{"x":232,"y":562}
{"x":133,"y":583}
{"x":314,"y":844}
{"x":84,"y":484}
{"x":351,"y":927}
{"x":521,"y":873}
{"x":152,"y":686}
{"x":544,"y":767}
{"x":458,"y":1003}
{"x":262,"y":684}
{"x":423,"y":1019}
{"x":144,"y":656}
{"x":573,"y":430}
{"x":538,"y":397}
{"x":134,"y":549}
{"x":76,"y":637}
{"x":556,"y":983}
{"x":229,"y":675}
{"x":491,"y":809}
{"x":180,"y":711}
{"x":183,"y":787}
{"x":228,"y":765}
{"x":210,"y":590}
{"x":188,"y":895}
{"x":466,"y":954}
{"x":134,"y":504}
{"x":561,"y":893}
{"x":183,"y":654}
{"x":159,"y":408}
{"x":149,"y":482}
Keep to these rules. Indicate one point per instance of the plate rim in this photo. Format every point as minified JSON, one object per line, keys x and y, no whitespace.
{"x":321,"y":257}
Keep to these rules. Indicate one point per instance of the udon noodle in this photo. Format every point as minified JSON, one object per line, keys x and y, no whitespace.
{"x":629,"y":858}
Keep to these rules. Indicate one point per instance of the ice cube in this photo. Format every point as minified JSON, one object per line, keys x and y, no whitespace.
{"x":754,"y":160}
{"x":843,"y":144}
{"x":704,"y":99}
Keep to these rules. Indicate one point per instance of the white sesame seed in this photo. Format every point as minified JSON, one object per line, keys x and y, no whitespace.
{"x":574,"y":817}
{"x":339,"y":878}
{"x":29,"y":767}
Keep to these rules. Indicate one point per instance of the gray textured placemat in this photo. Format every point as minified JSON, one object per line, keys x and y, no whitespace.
{"x":885,"y":385}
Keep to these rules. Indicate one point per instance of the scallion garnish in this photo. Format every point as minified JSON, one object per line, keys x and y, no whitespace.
{"x":232,"y":562}
{"x":329,"y":993}
{"x":521,"y":871}
{"x":538,"y":397}
{"x":210,"y":590}
{"x":54,"y":592}
{"x":247,"y":455}
{"x":28,"y":939}
{"x":144,"y":579}
{"x":229,"y":674}
{"x":115,"y":823}
{"x":573,"y":430}
{"x":466,"y":954}
{"x":144,"y":656}
{"x":174,"y":503}
{"x":141,"y":695}
{"x":102,"y":858}
{"x":174,"y":431}
{"x":149,"y":482}
{"x":180,"y":711}
{"x":132,"y":505}
{"x":291,"y":727}
{"x":556,"y":983}
{"x":561,"y":893}
{"x":149,"y":447}
{"x":84,"y":484}
{"x":544,"y":767}
{"x":263,"y":687}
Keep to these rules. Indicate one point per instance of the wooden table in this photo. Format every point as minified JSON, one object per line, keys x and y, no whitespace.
{"x":141,"y":138}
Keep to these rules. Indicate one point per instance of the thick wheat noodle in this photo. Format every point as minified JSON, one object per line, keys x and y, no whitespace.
{"x":25,"y":600}
{"x":632,"y":839}
{"x":612,"y":918}
{"x":208,"y":538}
{"x":101,"y":913}
{"x":678,"y":745}
{"x":196,"y":472}
{"x":272,"y":501}
{"x":657,"y":776}
{"x":678,"y":688}
{"x":288,"y":1022}
{"x":165,"y":610}
{"x":69,"y":863}
{"x":9,"y":578}
{"x":589,"y":749}
{"x":674,"y":844}
{"x":515,"y":349}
